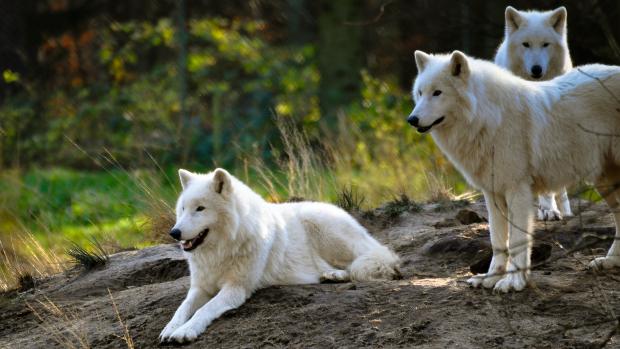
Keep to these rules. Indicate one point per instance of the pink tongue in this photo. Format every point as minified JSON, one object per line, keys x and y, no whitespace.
{"x":187,"y":244}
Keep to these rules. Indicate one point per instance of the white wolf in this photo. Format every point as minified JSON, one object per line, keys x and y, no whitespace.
{"x":236,"y":243}
{"x":513,"y":138}
{"x":535,"y":47}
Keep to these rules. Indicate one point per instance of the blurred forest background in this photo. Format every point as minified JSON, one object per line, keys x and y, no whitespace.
{"x":102,"y":101}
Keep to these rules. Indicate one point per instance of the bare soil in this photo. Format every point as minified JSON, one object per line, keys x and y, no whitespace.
{"x":566,"y":306}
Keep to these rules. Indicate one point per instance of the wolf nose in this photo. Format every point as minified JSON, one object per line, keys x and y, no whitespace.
{"x":413,"y":120}
{"x":536,"y":71}
{"x":176,"y":234}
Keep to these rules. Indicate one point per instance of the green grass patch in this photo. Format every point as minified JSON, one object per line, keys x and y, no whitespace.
{"x":60,"y":205}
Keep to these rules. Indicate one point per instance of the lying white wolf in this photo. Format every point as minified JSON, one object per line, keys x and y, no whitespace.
{"x":513,"y":138}
{"x":236,"y":243}
{"x":535,"y":47}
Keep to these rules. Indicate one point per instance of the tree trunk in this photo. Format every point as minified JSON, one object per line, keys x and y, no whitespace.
{"x":298,"y":22}
{"x":12,"y":19}
{"x":340,"y":56}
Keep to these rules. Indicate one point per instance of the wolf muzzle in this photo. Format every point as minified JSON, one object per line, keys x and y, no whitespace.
{"x":415,"y":122}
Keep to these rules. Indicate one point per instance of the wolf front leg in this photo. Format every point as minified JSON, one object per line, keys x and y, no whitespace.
{"x":229,"y":297}
{"x":520,"y":221}
{"x":498,"y":229}
{"x":196,"y":298}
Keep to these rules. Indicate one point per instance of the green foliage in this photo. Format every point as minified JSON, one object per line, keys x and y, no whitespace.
{"x":10,"y":76}
{"x":236,"y":82}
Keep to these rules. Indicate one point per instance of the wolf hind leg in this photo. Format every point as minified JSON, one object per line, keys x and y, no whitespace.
{"x":335,"y":275}
{"x":378,"y":263}
{"x":548,"y":209}
{"x":610,"y":190}
{"x":564,"y":203}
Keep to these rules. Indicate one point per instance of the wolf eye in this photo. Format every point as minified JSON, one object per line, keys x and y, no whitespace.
{"x":526,"y":44}
{"x":545,"y":44}
{"x":200,"y":208}
{"x":420,"y":92}
{"x":436,"y":93}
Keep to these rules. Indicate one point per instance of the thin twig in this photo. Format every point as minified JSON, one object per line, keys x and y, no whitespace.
{"x":374,"y":20}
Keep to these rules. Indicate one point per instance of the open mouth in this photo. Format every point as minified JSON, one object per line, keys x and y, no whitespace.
{"x":424,"y":129}
{"x":189,"y":245}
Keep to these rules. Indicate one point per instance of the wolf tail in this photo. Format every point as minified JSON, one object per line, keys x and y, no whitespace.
{"x":377,"y":263}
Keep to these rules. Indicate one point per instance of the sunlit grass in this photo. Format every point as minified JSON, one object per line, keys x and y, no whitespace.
{"x":45,"y":212}
{"x":22,"y":257}
{"x":60,"y":204}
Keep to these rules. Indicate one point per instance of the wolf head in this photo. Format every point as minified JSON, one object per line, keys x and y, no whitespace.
{"x":440,"y":90}
{"x":205,"y":209}
{"x":537,"y":45}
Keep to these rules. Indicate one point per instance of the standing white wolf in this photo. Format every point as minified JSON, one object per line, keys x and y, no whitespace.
{"x":236,"y":243}
{"x":535,"y":47}
{"x":513,"y":138}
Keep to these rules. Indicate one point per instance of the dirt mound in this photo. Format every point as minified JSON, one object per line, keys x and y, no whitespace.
{"x":432,"y":307}
{"x":124,"y":270}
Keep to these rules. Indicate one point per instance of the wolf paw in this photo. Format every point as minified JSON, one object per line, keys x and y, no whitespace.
{"x":602,"y":263}
{"x":184,"y":334}
{"x":484,"y":280}
{"x":168,"y":330}
{"x":515,"y":281}
{"x":548,"y":214}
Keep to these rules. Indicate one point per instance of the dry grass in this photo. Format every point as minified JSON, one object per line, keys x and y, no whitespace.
{"x":379,"y":169}
{"x":126,"y":337}
{"x":66,"y":326}
{"x":302,"y":170}
{"x":62,"y":325}
{"x":24,"y":260}
{"x":159,"y":212}
{"x":382,"y":166}
{"x":438,"y":188}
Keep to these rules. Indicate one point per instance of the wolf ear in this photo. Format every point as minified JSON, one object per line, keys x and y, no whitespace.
{"x":459,"y":65}
{"x":221,"y":181}
{"x":557,"y":19}
{"x":513,"y":19}
{"x":185,"y":176}
{"x":421,"y":58}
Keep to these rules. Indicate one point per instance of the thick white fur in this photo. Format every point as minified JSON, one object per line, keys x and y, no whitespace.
{"x":546,"y":35}
{"x":253,"y":244}
{"x":514,"y":138}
